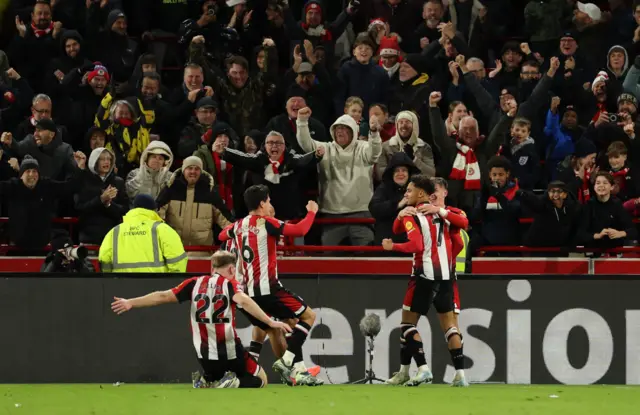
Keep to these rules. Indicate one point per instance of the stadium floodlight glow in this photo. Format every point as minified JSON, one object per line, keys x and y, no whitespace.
{"x":369,"y":327}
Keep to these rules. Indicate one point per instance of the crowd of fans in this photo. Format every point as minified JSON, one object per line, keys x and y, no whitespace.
{"x":335,"y":101}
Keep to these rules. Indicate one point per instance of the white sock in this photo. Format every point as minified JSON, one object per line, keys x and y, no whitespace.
{"x":404,"y":369}
{"x":299,"y":367}
{"x":460,"y":372}
{"x":287,"y":358}
{"x":423,"y":368}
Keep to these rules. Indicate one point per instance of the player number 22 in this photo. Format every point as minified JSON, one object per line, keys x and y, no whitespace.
{"x":220,"y":304}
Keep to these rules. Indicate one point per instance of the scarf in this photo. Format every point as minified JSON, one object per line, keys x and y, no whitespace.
{"x":509,"y":193}
{"x":602,"y":107}
{"x":619,"y":178}
{"x":293,"y":125}
{"x":272,"y":172}
{"x":221,"y":179}
{"x":41,"y":32}
{"x":466,"y":167}
{"x":318,"y":31}
{"x":125,"y":122}
{"x":517,"y":147}
{"x":390,"y":71}
{"x":584,"y":194}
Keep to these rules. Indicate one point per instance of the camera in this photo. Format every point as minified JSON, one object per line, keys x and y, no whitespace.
{"x":212,"y":9}
{"x":76,"y":252}
{"x":614,"y":118}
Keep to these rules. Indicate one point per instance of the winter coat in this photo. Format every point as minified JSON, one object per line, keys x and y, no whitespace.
{"x":369,"y":82}
{"x":146,"y":181}
{"x":95,"y":218}
{"x":287,"y":127}
{"x":551,"y":226}
{"x":423,"y":154}
{"x":284,"y":187}
{"x":345,"y":174}
{"x":64,"y":63}
{"x":597,"y":215}
{"x":31,"y":210}
{"x":191,"y":136}
{"x":384,"y":203}
{"x":55,"y":159}
{"x":498,"y":222}
{"x":193,"y":211}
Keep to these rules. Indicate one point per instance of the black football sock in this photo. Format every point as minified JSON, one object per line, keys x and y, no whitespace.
{"x":295,"y":342}
{"x":457,"y":357}
{"x":249,"y":381}
{"x":254,"y":349}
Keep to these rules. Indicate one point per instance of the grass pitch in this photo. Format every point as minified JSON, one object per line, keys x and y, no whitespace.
{"x":181,"y":399}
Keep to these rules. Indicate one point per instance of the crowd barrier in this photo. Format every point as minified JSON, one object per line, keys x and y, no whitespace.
{"x":517,"y":329}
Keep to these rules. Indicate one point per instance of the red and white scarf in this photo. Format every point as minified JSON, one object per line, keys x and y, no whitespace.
{"x":510,"y":193}
{"x":272,"y":172}
{"x":466,"y":167}
{"x":318,"y":31}
{"x":620,"y":178}
{"x":41,"y":32}
{"x":223,"y":179}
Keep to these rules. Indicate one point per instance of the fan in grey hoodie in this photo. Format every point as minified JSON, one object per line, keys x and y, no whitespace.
{"x":345,"y":176}
{"x":153,"y":172}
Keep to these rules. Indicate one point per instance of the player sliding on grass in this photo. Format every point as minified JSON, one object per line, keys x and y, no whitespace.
{"x":431,"y":281}
{"x":256,"y":237}
{"x":213,"y":309}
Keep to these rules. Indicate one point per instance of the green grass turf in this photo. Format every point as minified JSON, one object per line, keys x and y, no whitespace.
{"x":326,"y":400}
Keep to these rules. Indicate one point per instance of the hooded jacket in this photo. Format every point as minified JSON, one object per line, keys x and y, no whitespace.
{"x":96,"y":218}
{"x":64,"y":63}
{"x":422,"y":152}
{"x":384,"y":204}
{"x":345,"y":174}
{"x":147,"y":181}
{"x":193,"y":211}
{"x":551,"y":226}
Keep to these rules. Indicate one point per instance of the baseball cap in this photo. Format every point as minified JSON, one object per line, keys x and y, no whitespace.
{"x":590,"y":10}
{"x":207,"y":102}
{"x":46,"y":124}
{"x":304,"y":68}
{"x":568,"y":35}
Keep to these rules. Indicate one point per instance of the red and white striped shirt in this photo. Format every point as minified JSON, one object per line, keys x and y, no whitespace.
{"x":256,"y":239}
{"x":430,"y":242}
{"x":213,"y":315}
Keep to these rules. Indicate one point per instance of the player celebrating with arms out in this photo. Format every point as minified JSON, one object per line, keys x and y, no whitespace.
{"x":256,"y":237}
{"x":431,"y":281}
{"x":213,"y":310}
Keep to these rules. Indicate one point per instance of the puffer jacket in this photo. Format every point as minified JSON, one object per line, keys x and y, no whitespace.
{"x":422,"y":152}
{"x":193,"y":211}
{"x":96,"y":219}
{"x":145,"y":180}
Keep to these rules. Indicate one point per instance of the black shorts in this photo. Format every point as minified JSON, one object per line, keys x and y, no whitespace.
{"x":422,"y":293}
{"x":244,"y":365}
{"x":281,"y":304}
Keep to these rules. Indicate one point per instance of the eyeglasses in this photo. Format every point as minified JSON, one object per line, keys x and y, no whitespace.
{"x":42,"y":111}
{"x":274,"y":143}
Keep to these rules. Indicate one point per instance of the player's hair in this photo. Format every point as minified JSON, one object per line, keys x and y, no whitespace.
{"x":522,"y":122}
{"x":423,"y":182}
{"x":221,"y":259}
{"x":454,"y":104}
{"x":353,"y":101}
{"x":440,"y":181}
{"x":254,"y":195}
{"x":617,"y":149}
{"x":606,"y":175}
{"x":499,"y":162}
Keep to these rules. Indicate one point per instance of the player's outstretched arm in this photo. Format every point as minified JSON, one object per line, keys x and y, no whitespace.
{"x":225,"y":234}
{"x":254,"y":309}
{"x":122,"y":305}
{"x":301,"y":228}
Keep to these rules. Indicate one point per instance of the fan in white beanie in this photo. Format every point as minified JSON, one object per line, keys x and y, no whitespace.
{"x":231,"y":3}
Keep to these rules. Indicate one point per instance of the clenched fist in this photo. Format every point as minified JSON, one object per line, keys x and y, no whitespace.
{"x":304,"y":114}
{"x":434,"y":99}
{"x":312,"y":206}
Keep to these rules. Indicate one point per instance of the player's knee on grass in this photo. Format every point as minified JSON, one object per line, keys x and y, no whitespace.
{"x":308,"y":317}
{"x":453,"y":338}
{"x":263,"y":377}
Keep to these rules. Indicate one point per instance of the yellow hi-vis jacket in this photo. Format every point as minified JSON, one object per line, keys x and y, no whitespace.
{"x":462,"y":255}
{"x":142,"y":243}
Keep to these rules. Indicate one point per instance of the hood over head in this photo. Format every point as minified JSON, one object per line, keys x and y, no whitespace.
{"x":95,"y":155}
{"x":411,"y":116}
{"x":399,"y":159}
{"x":347,"y":120}
{"x":157,"y":147}
{"x":71,"y":34}
{"x":618,"y":48}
